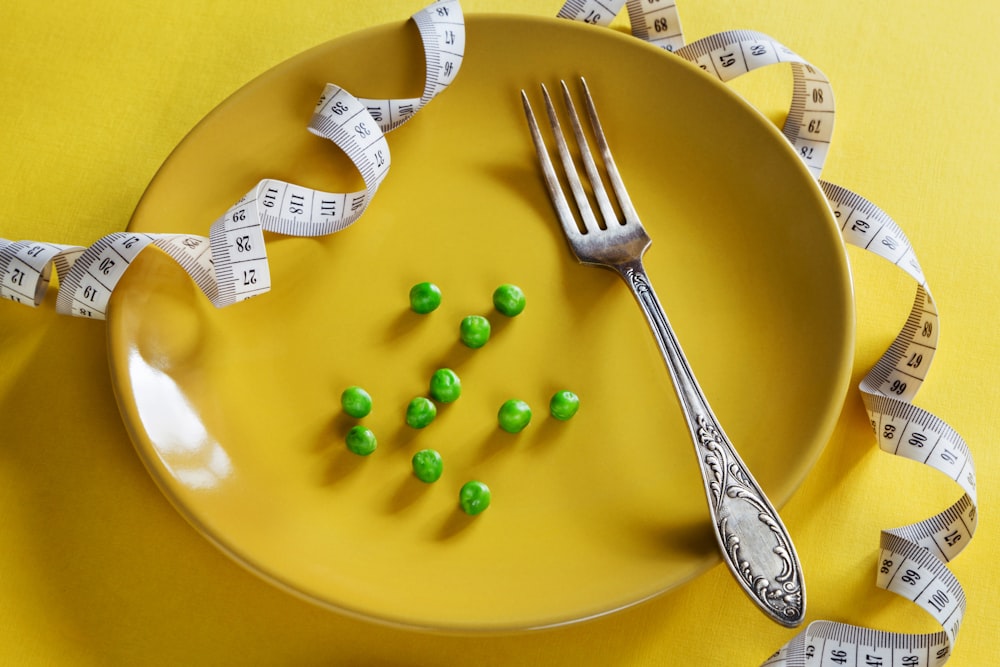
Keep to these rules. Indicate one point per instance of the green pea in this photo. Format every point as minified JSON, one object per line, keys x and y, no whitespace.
{"x":509,"y":300}
{"x":361,"y":440}
{"x":420,"y":412}
{"x":564,"y":405}
{"x":427,"y":465}
{"x":474,"y":331}
{"x":356,"y":402}
{"x":514,"y":415}
{"x":425,"y":297}
{"x":474,"y":497}
{"x":445,"y":385}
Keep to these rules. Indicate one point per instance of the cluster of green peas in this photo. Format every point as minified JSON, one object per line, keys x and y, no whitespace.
{"x":446,"y":387}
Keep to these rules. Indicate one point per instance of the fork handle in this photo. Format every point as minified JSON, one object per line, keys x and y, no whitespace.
{"x":753,"y":540}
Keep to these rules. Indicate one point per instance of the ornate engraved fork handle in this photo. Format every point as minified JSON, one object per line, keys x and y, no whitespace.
{"x":754,"y":542}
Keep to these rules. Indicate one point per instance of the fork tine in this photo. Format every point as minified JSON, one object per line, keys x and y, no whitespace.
{"x":587,"y":157}
{"x":556,"y":194}
{"x":624,"y":201}
{"x":566,"y":216}
{"x":569,"y":167}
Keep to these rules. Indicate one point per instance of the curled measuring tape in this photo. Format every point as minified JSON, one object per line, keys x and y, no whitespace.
{"x":231,"y":265}
{"x":911,"y":561}
{"x":727,"y":55}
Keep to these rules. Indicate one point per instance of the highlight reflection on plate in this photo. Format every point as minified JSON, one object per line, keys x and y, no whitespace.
{"x":235,"y":411}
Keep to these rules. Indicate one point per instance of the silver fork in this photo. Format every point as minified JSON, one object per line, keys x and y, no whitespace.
{"x":754,"y":542}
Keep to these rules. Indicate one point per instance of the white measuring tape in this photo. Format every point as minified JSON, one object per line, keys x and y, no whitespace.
{"x":911,"y":560}
{"x":230,"y":265}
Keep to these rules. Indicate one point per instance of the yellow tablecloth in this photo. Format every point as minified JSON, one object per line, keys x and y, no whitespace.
{"x":96,"y":568}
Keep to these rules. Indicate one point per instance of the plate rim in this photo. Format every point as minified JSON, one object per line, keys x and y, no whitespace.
{"x":833,"y":412}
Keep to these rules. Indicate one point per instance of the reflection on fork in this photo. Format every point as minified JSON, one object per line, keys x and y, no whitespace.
{"x":754,"y":542}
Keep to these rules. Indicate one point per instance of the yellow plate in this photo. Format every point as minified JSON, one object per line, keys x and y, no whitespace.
{"x":236,"y":411}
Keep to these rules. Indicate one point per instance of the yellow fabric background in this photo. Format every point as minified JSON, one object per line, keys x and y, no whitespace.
{"x":96,"y":568}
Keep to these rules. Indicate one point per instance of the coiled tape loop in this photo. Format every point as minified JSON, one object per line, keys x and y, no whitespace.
{"x":231,"y":264}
